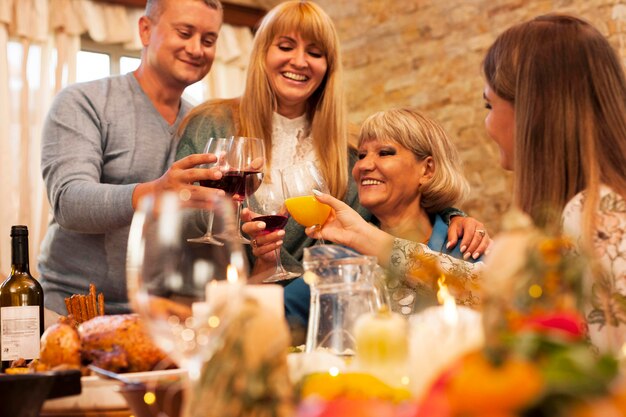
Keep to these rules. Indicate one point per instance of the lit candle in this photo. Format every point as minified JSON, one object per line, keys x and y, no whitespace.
{"x":221,"y":292}
{"x":450,"y":314}
{"x":440,"y":335}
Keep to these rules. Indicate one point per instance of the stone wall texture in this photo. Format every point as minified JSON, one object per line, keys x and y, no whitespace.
{"x":427,"y":54}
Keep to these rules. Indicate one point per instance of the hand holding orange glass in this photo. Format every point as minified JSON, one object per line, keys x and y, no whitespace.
{"x":299,"y":181}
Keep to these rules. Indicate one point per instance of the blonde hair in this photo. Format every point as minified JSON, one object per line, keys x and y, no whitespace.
{"x":424,"y":137}
{"x":325,"y":109}
{"x":569,"y":94}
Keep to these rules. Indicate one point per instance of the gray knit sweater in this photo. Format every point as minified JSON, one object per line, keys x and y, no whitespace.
{"x":100,"y":140}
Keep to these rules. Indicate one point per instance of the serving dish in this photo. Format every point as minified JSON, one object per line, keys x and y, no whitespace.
{"x":100,"y":394}
{"x":22,"y":395}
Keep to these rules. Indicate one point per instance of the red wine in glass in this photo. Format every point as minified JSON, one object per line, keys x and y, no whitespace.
{"x":267,"y":205}
{"x":273,"y":222}
{"x":237,"y":184}
{"x":218,"y":147}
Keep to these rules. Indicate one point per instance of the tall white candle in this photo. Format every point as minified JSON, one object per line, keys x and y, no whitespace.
{"x":436,"y":342}
{"x":269,"y":296}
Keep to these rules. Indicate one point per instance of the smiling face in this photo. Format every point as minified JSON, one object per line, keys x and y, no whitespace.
{"x":500,"y":125}
{"x":296,"y":68}
{"x":179,"y":44}
{"x":388,"y":177}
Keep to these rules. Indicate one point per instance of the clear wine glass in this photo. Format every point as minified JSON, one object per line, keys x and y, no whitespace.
{"x":267,"y":204}
{"x":219,"y":148}
{"x":245,"y":162}
{"x":185,"y":296}
{"x":298,"y":182}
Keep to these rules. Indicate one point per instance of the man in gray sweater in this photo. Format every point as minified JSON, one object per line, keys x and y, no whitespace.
{"x":108,"y":142}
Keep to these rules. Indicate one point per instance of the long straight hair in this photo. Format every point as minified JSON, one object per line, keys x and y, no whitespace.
{"x":568,"y":90}
{"x":325,"y":108}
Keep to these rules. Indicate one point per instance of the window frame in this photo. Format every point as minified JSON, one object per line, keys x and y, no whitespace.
{"x":115,"y":51}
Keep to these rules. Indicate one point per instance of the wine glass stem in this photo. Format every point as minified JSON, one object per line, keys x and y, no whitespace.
{"x":209,"y":224}
{"x":192,"y":395}
{"x":238,"y":220}
{"x":320,"y":241}
{"x":280,"y":269}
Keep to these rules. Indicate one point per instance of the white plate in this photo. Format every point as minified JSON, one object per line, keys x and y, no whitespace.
{"x":103,"y":394}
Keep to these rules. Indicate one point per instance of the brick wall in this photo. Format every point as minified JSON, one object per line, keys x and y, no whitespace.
{"x":428,"y":53}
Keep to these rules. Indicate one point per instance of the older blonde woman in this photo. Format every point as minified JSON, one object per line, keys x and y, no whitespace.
{"x":407,"y":171}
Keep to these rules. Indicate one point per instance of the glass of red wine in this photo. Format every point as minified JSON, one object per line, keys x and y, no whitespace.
{"x":243,"y":174}
{"x":267,"y":204}
{"x":218,"y":147}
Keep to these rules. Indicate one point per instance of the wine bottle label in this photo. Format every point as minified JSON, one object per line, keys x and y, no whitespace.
{"x":19,"y":330}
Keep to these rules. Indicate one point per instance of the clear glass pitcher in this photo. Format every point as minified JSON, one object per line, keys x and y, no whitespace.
{"x":343,"y":287}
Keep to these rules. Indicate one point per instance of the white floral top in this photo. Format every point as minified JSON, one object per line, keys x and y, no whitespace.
{"x":412,"y":284}
{"x":605,"y":307}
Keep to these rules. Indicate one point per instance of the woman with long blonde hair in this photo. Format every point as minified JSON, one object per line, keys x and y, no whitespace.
{"x":297,"y":96}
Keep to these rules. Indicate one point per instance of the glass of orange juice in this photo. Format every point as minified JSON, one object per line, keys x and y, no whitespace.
{"x":299,"y":181}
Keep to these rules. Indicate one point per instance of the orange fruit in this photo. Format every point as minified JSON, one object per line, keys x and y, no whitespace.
{"x":479,"y":387}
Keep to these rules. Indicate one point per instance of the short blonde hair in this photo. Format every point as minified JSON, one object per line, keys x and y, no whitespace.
{"x":424,"y":137}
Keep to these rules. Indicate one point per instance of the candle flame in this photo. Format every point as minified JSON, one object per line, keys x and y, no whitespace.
{"x":232,"y":276}
{"x":450,"y":313}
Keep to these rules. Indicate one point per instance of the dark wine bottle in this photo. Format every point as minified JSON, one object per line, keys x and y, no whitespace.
{"x":21,"y":305}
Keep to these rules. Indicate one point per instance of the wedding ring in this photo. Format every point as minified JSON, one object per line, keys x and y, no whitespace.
{"x":480,"y":232}
{"x":253,"y":243}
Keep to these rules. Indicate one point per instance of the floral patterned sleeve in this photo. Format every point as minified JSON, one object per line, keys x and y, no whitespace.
{"x":414,"y":271}
{"x":605,"y":301}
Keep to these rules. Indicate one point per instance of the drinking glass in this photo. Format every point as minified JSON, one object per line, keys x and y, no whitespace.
{"x":267,"y":204}
{"x":219,"y":148}
{"x":299,"y":181}
{"x":245,"y":163}
{"x":185,"y":296}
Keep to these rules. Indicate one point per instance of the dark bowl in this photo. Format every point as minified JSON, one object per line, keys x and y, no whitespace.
{"x":23,"y":395}
{"x":167,"y":399}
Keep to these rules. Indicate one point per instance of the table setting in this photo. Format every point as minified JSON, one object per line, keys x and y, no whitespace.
{"x":521,"y":352}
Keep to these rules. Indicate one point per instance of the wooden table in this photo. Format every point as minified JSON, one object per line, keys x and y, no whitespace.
{"x":82,"y":413}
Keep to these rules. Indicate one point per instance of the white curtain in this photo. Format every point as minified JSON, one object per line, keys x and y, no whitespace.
{"x":38,"y":62}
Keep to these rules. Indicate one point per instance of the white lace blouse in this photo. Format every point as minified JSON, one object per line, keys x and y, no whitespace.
{"x":291,"y":141}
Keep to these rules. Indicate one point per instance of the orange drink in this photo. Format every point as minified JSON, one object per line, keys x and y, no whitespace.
{"x":307,"y":211}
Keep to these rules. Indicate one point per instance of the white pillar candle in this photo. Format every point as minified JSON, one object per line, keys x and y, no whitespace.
{"x":436,"y":342}
{"x":269,"y":296}
{"x":221,"y":292}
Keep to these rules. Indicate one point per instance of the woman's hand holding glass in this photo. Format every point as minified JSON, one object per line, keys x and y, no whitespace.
{"x":266,"y":209}
{"x":343,"y":225}
{"x":299,"y":181}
